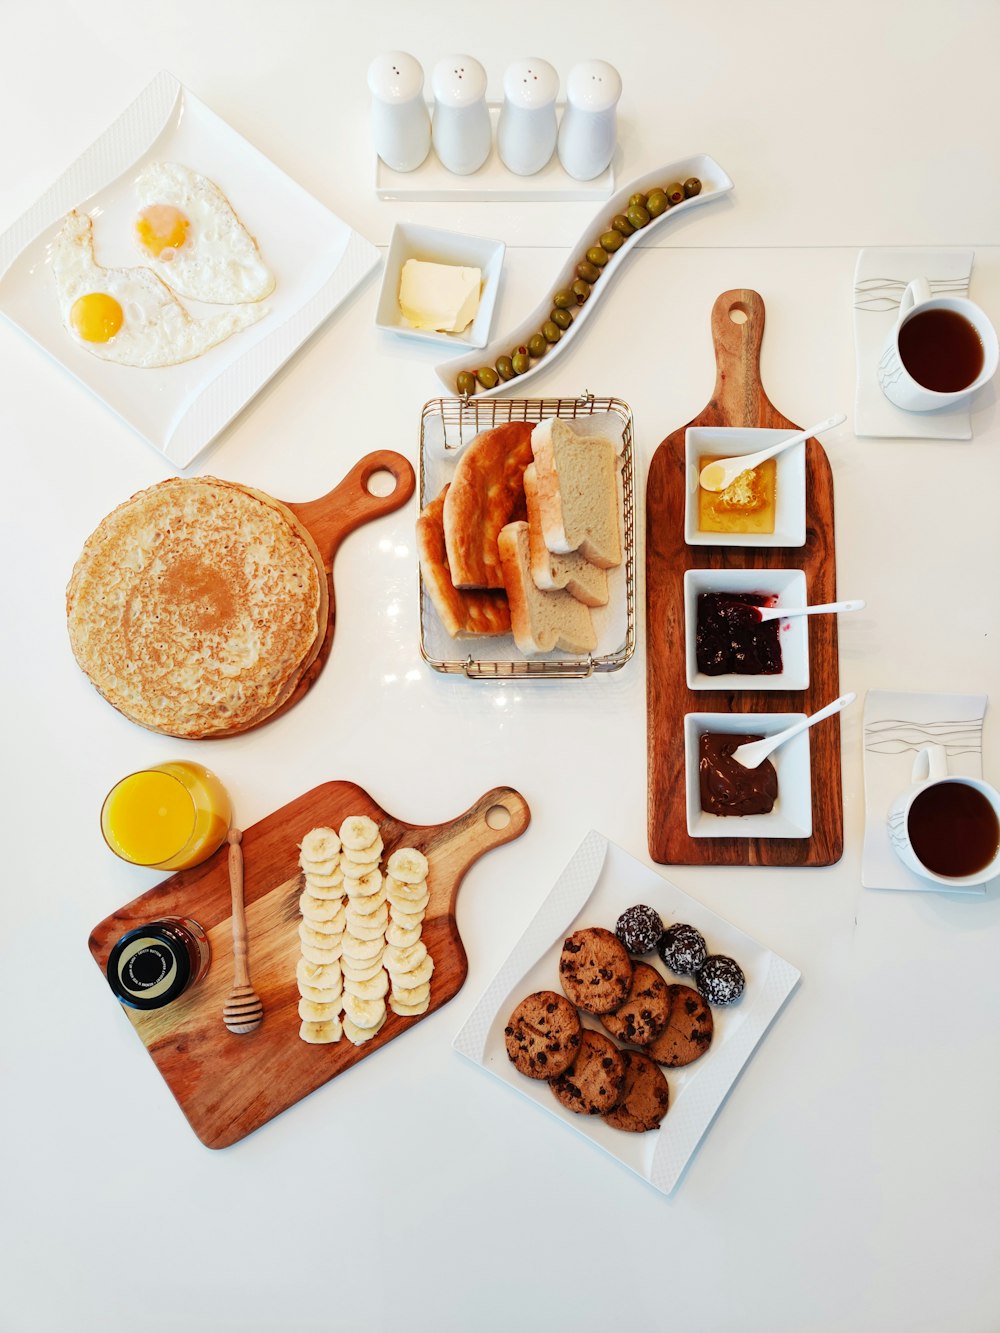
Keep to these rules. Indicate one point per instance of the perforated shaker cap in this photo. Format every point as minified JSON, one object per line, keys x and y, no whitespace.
{"x":530,"y":83}
{"x":458,"y":81}
{"x":395,"y":77}
{"x":594,"y":85}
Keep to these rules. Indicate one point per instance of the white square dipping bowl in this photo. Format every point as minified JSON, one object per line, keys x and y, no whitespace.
{"x":792,"y":813}
{"x":788,"y":588}
{"x":789,"y":486}
{"x":431,"y":244}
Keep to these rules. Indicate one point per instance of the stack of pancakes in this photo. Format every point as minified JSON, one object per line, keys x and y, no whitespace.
{"x":197,"y":607}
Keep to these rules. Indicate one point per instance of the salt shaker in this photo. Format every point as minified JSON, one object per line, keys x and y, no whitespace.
{"x":461,"y":130}
{"x":401,"y":125}
{"x":589,"y":129}
{"x":526,"y":133}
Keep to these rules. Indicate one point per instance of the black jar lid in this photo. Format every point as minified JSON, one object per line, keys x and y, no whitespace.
{"x":150,"y":966}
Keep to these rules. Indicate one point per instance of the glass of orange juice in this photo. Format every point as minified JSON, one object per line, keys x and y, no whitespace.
{"x":168,"y":817}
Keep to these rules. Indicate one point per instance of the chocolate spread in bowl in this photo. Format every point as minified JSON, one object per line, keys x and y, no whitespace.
{"x":727,"y":788}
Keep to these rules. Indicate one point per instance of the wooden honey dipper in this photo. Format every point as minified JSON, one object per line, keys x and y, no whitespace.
{"x":243,"y":1011}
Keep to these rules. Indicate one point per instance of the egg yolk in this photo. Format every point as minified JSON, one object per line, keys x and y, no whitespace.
{"x":96,"y":317}
{"x":162,"y":227}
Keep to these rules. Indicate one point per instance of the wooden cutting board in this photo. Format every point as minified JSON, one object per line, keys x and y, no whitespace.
{"x":738,"y":400}
{"x":229,"y":1085}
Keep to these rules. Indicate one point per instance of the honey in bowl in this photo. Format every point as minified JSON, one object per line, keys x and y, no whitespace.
{"x":168,"y":817}
{"x":746,"y":505}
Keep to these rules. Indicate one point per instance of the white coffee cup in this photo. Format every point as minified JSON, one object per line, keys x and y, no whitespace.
{"x":930,"y":769}
{"x":898,"y":384}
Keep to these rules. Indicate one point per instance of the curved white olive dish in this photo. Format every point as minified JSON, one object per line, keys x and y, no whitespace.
{"x":714,"y":183}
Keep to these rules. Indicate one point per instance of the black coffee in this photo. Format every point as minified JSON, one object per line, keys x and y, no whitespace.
{"x":941,"y":350}
{"x":953,"y":829}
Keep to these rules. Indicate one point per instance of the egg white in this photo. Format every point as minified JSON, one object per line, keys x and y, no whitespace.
{"x":219,"y":260}
{"x":156,"y":330}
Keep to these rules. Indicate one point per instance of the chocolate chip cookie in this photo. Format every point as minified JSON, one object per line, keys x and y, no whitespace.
{"x":644,"y":1014}
{"x":593,"y":1084}
{"x":543,"y":1035}
{"x":595,"y":970}
{"x":688,"y":1033}
{"x":645,"y":1095}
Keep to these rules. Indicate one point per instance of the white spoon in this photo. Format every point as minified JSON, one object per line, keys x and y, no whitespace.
{"x":753,"y":754}
{"x":724,"y":471}
{"x":785,"y":612}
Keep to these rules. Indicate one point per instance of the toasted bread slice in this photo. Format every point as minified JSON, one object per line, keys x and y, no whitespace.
{"x":486,"y":492}
{"x":540,"y":620}
{"x":466,"y":611}
{"x":577,"y":492}
{"x":586,"y":582}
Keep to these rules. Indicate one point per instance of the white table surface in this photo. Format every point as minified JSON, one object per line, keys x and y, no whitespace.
{"x":851,"y":1179}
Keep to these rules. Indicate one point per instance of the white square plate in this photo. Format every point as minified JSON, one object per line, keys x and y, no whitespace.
{"x":790,"y":485}
{"x":317,"y":260}
{"x":792,"y":813}
{"x":788,"y":588}
{"x":434,"y":246}
{"x":598,"y":884}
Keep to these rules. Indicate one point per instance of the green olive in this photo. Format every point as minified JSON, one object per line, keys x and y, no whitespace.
{"x":621,"y":223}
{"x":563,"y":298}
{"x":612,"y":241}
{"x":657,"y":203}
{"x":487,"y":377}
{"x":581,"y":290}
{"x":587,"y":271}
{"x":692,"y":186}
{"x":466,"y":382}
{"x":505,"y":367}
{"x":637,"y":215}
{"x":551,"y":332}
{"x":521,"y":361}
{"x":639,"y":199}
{"x":675,"y":192}
{"x":538,"y":344}
{"x":562,"y":318}
{"x":597,"y":255}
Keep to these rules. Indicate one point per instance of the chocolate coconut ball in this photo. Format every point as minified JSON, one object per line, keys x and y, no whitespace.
{"x":683,"y":949}
{"x":720,"y":979}
{"x":639,"y":928}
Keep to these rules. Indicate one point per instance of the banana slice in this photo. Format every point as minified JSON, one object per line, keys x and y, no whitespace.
{"x":359,"y":1035}
{"x":319,"y":844}
{"x":362,"y":951}
{"x":408,"y":865}
{"x":353,"y":870}
{"x":335,"y":926}
{"x":328,"y":867}
{"x":318,"y":909}
{"x":317,"y":1013}
{"x":407,"y":920}
{"x":362,"y":971}
{"x":363,"y":1013}
{"x":361,"y":930}
{"x":405,"y":960}
{"x":365,"y":886}
{"x":404,"y":890}
{"x":324,"y":975}
{"x":367,"y":906}
{"x":334,"y":892}
{"x":400,"y":936}
{"x":320,"y":1034}
{"x":358,"y":831}
{"x":416,"y":976}
{"x":321,"y":957}
{"x":375,"y":988}
{"x":411,"y":994}
{"x":408,"y":1010}
{"x":408,"y":906}
{"x":321,"y":994}
{"x":316,"y":882}
{"x":372,"y":853}
{"x":320,"y":939}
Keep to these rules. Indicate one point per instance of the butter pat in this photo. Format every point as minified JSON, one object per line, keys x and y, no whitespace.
{"x":444,"y":297}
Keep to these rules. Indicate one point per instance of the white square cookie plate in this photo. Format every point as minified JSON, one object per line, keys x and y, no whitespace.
{"x":598,"y":884}
{"x":316,"y":257}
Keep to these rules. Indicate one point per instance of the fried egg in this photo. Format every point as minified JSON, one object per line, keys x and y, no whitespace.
{"x":128,"y":315}
{"x":189,"y":236}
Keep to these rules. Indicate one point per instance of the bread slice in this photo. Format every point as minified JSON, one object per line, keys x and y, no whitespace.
{"x":540,"y":620}
{"x":577,"y":492}
{"x":582,"y":580}
{"x":468,"y":611}
{"x":486,"y":492}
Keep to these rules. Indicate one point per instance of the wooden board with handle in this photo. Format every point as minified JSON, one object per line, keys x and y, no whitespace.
{"x":738,"y":399}
{"x":228,"y":1085}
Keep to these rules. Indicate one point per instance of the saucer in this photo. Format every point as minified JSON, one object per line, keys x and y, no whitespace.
{"x":880,"y":278}
{"x":896,"y":726}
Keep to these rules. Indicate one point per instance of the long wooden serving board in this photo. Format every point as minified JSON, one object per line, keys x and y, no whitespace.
{"x":738,"y":400}
{"x":228,"y":1085}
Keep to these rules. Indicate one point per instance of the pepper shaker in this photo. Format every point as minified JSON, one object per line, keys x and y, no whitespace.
{"x":401,"y":125}
{"x":526,"y":133}
{"x":461,"y":129}
{"x":589,"y":129}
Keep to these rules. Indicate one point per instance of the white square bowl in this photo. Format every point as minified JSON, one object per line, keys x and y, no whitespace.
{"x":434,"y":246}
{"x":792,"y":813}
{"x":786,"y":587}
{"x":789,"y":493}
